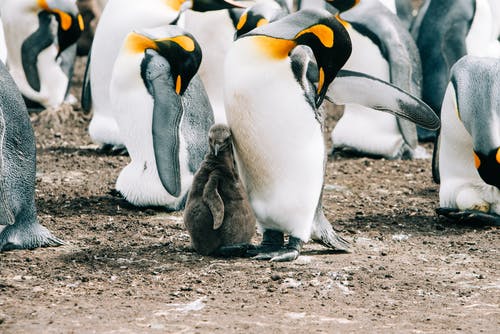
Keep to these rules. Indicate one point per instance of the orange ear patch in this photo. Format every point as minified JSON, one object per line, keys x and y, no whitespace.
{"x":275,"y":47}
{"x":137,"y":43}
{"x":321,"y":79}
{"x":66,"y":19}
{"x":178,"y":85}
{"x":242,"y":21}
{"x":324,"y":34}
{"x":184,"y":42}
{"x":477,"y":161}
{"x":498,"y":156}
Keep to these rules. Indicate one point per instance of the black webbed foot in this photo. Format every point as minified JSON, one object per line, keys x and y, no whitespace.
{"x":469,"y":216}
{"x":289,"y":252}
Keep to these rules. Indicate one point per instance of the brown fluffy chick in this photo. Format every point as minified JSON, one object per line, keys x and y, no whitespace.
{"x":217,"y":212}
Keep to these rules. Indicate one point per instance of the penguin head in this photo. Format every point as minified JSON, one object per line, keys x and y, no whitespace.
{"x":70,"y":22}
{"x":258,"y":15}
{"x":343,"y":5}
{"x":488,"y":166}
{"x":219,"y":138}
{"x":178,"y":47}
{"x":208,"y":5}
{"x":319,"y":30}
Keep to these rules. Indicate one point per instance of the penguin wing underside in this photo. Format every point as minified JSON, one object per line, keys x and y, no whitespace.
{"x":212,"y":199}
{"x":368,"y":91}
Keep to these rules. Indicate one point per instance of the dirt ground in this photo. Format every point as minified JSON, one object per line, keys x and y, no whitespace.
{"x":131,"y":270}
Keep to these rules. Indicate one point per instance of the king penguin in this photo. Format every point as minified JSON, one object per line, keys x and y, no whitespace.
{"x":382,"y":47}
{"x":469,"y":154}
{"x":118,"y":18}
{"x":39,"y":59}
{"x":19,"y":226}
{"x":271,"y":106}
{"x":445,"y":31}
{"x":163,"y":111}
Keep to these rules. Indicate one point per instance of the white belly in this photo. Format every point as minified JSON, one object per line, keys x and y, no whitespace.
{"x":279,"y":144}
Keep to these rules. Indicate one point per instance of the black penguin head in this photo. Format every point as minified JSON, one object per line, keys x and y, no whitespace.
{"x":343,"y":5}
{"x":70,"y":22}
{"x":317,"y":29}
{"x":258,"y":15}
{"x":177,"y":46}
{"x":208,"y":5}
{"x":219,"y":138}
{"x":488,"y":166}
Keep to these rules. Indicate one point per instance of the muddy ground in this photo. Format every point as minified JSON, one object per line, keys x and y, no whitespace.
{"x":132,"y":270}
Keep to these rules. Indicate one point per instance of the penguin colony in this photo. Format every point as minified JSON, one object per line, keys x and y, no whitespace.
{"x":157,"y":80}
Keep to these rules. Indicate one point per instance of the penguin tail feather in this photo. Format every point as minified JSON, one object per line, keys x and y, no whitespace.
{"x":324,"y":234}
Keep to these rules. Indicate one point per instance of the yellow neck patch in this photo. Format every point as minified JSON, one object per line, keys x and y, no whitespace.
{"x":261,"y":22}
{"x":81,"y":24}
{"x":43,"y":4}
{"x":498,"y":156}
{"x":184,"y":42}
{"x":274,"y":47}
{"x":242,"y":21}
{"x":175,"y":4}
{"x":137,"y":43}
{"x":321,"y":79}
{"x":477,"y":161}
{"x":66,"y":19}
{"x":344,"y":23}
{"x":324,"y":34}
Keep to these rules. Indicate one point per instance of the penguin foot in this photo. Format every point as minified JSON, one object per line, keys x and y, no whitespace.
{"x":287,"y":253}
{"x":469,"y":216}
{"x":21,"y":237}
{"x":237,"y":250}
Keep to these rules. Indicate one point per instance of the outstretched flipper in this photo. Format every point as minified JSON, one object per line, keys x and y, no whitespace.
{"x":351,"y":87}
{"x":167,"y":114}
{"x":213,"y":200}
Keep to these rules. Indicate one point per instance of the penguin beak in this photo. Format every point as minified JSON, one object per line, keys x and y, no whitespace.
{"x":488,"y":167}
{"x":208,"y":5}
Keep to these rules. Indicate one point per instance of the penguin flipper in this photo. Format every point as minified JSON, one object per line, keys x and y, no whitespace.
{"x":167,"y":114}
{"x":34,"y":235}
{"x":324,"y":234}
{"x":212,"y":199}
{"x":363,"y":89}
{"x":41,"y":39}
{"x":86,"y":91}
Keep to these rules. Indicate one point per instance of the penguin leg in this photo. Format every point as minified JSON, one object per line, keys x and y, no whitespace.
{"x":469,"y":216}
{"x":272,"y":241}
{"x":27,"y":236}
{"x":288,"y":253}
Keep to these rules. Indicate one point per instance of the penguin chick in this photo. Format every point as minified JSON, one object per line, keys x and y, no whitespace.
{"x":217,"y":211}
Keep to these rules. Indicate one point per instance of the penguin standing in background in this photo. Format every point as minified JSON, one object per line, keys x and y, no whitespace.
{"x":19,"y":226}
{"x":90,"y":11}
{"x":382,"y":47}
{"x":163,"y":111}
{"x":284,"y":189}
{"x":40,"y":59}
{"x":118,"y":18}
{"x":218,"y":214}
{"x":469,"y":154}
{"x":446,"y":31}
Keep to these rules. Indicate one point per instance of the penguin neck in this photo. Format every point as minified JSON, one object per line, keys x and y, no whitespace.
{"x":223,"y":159}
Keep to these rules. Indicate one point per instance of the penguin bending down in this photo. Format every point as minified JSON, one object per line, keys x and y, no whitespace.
{"x":40,"y":60}
{"x":382,"y":47}
{"x":19,"y":226}
{"x":469,"y":153}
{"x":267,"y":120}
{"x":163,"y":112}
{"x":218,"y":214}
{"x":118,"y":18}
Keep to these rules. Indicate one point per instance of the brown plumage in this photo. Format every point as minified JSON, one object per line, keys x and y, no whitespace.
{"x":217,"y":211}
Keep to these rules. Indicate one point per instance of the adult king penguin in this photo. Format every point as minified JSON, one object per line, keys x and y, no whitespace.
{"x":19,"y":226}
{"x":469,"y":154}
{"x":40,"y":61}
{"x":447,"y":30}
{"x":118,"y":18}
{"x":382,"y":47}
{"x":163,"y":112}
{"x":272,"y":110}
